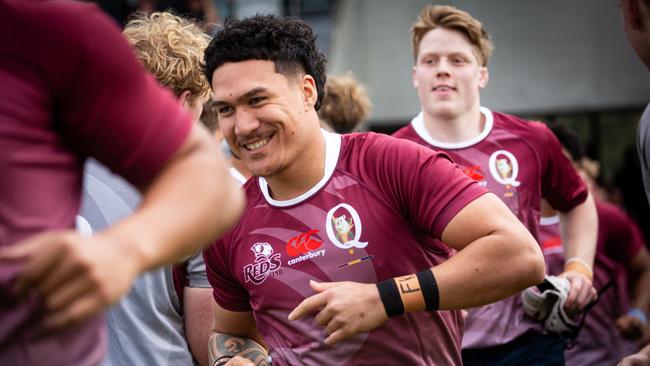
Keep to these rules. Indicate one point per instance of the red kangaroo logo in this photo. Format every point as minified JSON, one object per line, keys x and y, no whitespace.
{"x":302,"y":244}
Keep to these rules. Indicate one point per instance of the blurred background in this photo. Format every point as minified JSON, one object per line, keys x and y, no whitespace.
{"x":554,"y":61}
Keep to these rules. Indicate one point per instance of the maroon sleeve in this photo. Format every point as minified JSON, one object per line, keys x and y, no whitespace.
{"x":426,"y":186}
{"x":226,"y":290}
{"x":106,"y":105}
{"x":562,"y":187}
{"x":621,"y":237}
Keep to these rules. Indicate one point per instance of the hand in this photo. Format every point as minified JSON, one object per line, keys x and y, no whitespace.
{"x":239,"y":361}
{"x":582,"y":292}
{"x":636,"y":359}
{"x":630,"y":327}
{"x":75,"y":276}
{"x":345,"y":309}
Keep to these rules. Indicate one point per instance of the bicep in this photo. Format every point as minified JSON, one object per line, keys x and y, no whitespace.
{"x":483,"y":216}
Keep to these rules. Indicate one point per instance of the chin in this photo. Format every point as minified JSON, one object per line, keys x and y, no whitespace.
{"x":262,"y":171}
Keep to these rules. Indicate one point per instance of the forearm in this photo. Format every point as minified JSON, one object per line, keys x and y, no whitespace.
{"x":197,"y":309}
{"x":222,"y":346}
{"x":579,"y":233}
{"x":490,"y":269}
{"x":190,"y":202}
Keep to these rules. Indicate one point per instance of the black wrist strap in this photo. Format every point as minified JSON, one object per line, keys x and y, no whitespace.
{"x":429,"y":288}
{"x":222,"y":360}
{"x":390,"y":297}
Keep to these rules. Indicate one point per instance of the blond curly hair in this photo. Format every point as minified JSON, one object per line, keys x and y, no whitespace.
{"x":445,"y":16}
{"x":171,"y":48}
{"x":345,"y":105}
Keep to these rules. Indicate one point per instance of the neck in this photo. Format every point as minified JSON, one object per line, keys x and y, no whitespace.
{"x":303,"y":173}
{"x":459,"y":128}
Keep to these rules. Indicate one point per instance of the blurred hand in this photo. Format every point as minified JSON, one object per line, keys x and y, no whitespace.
{"x":345,"y":309}
{"x":582,"y":292}
{"x":630,"y":327}
{"x":75,"y":276}
{"x":636,"y":359}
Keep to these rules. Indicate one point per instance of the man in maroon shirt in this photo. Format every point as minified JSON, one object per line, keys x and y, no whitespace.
{"x":520,"y":161}
{"x":337,"y":227}
{"x":71,"y":88}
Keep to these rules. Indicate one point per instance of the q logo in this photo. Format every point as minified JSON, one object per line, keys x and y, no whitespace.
{"x":504,"y":168}
{"x":344,"y":227}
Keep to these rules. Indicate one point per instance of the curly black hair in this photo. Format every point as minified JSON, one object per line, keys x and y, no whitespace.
{"x":288,"y":42}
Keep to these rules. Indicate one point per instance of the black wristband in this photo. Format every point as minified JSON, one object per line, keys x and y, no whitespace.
{"x":390,"y":297}
{"x":222,"y":360}
{"x":429,"y":289}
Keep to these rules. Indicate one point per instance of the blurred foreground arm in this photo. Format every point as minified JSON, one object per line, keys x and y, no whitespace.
{"x":190,"y":202}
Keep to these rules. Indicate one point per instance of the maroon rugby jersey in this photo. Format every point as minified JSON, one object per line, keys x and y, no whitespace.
{"x":373,"y":216}
{"x":70,"y":87}
{"x":521,"y":162}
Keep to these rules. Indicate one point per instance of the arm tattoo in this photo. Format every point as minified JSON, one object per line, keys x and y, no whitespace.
{"x":222,"y":344}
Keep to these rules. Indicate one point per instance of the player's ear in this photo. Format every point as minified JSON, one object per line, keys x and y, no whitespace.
{"x":184,"y":98}
{"x":309,"y":91}
{"x":484,"y":77}
{"x":415,"y":81}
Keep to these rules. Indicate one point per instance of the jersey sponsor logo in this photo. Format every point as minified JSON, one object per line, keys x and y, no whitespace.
{"x":344,"y":227}
{"x":304,"y":247}
{"x":504,"y":168}
{"x":266,"y":263}
{"x":303,"y":243}
{"x":476,"y":174}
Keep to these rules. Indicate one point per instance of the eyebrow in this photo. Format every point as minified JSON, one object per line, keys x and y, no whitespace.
{"x":249,"y":94}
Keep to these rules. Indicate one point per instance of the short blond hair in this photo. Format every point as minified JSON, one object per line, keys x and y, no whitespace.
{"x":171,"y":48}
{"x":449,"y":17}
{"x":345,"y":105}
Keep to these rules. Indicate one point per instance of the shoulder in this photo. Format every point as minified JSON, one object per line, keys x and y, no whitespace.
{"x":62,"y":21}
{"x":609,"y":212}
{"x":518,"y":124}
{"x":406,"y":132}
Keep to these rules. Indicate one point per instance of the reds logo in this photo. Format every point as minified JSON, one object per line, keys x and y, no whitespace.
{"x":265,"y":263}
{"x":302,"y":244}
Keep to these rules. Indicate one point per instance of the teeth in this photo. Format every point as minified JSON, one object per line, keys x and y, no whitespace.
{"x":257,"y":145}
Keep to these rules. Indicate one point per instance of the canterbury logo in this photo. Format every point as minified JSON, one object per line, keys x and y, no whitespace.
{"x":303,"y":243}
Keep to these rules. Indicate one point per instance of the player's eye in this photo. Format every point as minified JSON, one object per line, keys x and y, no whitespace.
{"x":225,"y":110}
{"x":256,"y":100}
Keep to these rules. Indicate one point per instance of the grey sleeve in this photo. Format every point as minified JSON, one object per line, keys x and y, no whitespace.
{"x":643,"y":147}
{"x":196,"y":271}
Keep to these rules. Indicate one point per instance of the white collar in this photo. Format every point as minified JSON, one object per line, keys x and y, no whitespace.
{"x":421,"y":130}
{"x":239,"y":177}
{"x":332,"y":151}
{"x":549,"y":220}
